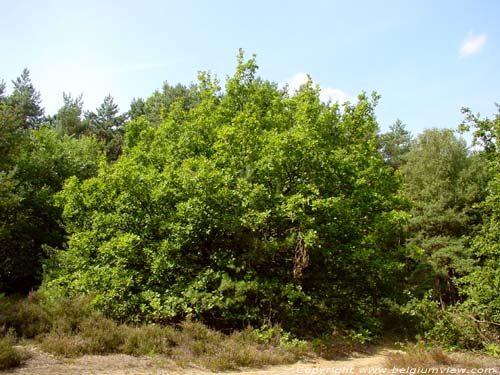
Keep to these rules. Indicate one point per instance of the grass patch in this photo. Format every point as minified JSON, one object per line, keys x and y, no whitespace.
{"x":189,"y":344}
{"x":419,"y":356}
{"x":71,"y":328}
{"x":197,"y":344}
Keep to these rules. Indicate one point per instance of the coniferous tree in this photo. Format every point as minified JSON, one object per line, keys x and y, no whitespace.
{"x":395,"y":144}
{"x":68,"y":120}
{"x":25,"y":101}
{"x":107,"y":125}
{"x":443,"y":183}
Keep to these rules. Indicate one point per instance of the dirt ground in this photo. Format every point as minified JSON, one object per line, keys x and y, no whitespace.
{"x":42,"y":363}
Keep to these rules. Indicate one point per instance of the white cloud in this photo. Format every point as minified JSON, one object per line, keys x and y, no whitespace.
{"x":326,"y":93}
{"x":333,"y":95}
{"x":472,"y":44}
{"x":294,"y":82}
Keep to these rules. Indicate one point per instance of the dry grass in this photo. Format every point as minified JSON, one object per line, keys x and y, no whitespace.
{"x":147,"y":340}
{"x":91,"y":335}
{"x":417,"y":356}
{"x":196,"y":344}
{"x":70,"y":328}
{"x":190,"y":344}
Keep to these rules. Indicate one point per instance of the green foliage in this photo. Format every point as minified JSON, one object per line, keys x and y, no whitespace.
{"x":251,"y":207}
{"x":28,"y":219}
{"x":68,"y":120}
{"x":244,"y":205}
{"x":34,"y":162}
{"x":493,"y":350}
{"x":452,"y":328}
{"x":444,"y":183}
{"x":481,"y":286}
{"x":136,"y":108}
{"x":395,"y":144}
{"x":20,"y":112}
{"x":456,"y":235}
{"x":25,"y":101}
{"x":106,"y":124}
{"x":455,"y":330}
{"x":156,"y":108}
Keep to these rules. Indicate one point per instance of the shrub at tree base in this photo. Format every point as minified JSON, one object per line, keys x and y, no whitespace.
{"x":9,"y":356}
{"x":70,"y":328}
{"x":252,"y":207}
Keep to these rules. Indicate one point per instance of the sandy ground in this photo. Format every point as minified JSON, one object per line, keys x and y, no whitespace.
{"x":42,"y":363}
{"x":350,"y":366}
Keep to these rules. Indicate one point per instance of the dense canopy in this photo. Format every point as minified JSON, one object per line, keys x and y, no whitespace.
{"x":249,"y":204}
{"x":252,"y":207}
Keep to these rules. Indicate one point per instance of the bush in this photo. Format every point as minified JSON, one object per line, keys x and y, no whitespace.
{"x":149,"y":339}
{"x":9,"y":356}
{"x":26,"y":317}
{"x":195,"y":343}
{"x":77,"y":329}
{"x":456,"y":329}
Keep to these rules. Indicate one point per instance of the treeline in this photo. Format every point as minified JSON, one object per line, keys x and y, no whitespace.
{"x":248,"y":205}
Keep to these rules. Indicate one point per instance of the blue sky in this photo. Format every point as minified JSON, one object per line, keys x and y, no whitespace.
{"x":426,"y":58}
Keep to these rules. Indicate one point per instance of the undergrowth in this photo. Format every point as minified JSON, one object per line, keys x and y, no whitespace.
{"x":9,"y":355}
{"x":71,"y":328}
